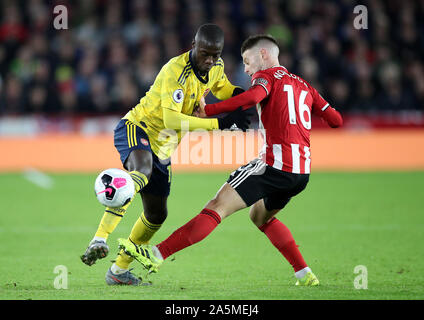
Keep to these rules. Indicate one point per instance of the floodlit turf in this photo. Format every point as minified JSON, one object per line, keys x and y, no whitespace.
{"x":340,"y":221}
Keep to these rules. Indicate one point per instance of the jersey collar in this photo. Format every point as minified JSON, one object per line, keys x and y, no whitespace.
{"x":278,"y":66}
{"x":196,"y":72}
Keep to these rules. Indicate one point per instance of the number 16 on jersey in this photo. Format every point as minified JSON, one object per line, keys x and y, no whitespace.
{"x":302,"y":107}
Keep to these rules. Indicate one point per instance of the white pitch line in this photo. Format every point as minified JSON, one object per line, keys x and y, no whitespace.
{"x":38,"y":178}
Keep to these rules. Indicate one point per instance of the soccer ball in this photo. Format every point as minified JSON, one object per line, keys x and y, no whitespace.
{"x":114,"y":187}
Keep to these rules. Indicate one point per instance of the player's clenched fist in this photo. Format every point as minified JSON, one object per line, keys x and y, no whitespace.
{"x":199,"y":109}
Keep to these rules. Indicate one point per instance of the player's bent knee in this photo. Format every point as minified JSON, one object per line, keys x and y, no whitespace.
{"x":216,"y":206}
{"x":255,"y":219}
{"x":258,"y":219}
{"x":259,"y":215}
{"x":141,"y":161}
{"x":145,"y":170}
{"x":226,"y":202}
{"x":213,"y":204}
{"x":156,"y":216}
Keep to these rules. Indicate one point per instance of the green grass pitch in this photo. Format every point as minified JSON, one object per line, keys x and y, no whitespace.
{"x":340,"y":221}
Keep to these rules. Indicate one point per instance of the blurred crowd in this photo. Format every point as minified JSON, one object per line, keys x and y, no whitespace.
{"x":112,"y":50}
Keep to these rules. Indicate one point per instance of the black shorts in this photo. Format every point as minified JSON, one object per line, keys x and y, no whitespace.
{"x":128,"y":137}
{"x":256,"y":180}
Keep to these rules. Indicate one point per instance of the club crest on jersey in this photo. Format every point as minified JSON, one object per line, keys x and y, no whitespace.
{"x":144,"y":141}
{"x":178,"y":95}
{"x":206,"y":92}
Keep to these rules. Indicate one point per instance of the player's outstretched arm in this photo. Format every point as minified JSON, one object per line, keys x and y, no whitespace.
{"x":245,"y":100}
{"x":178,"y":121}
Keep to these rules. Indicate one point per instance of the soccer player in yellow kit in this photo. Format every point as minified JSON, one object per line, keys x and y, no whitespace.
{"x":149,"y":133}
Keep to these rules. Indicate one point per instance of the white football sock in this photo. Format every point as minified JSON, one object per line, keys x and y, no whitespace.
{"x":117,"y":270}
{"x":157,"y":253}
{"x":301,"y":273}
{"x":98,"y":239}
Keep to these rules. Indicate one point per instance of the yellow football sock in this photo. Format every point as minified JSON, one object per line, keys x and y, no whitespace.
{"x":110,"y":220}
{"x":140,"y":180}
{"x":141,"y":233}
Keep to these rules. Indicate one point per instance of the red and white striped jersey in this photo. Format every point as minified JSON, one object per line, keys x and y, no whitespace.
{"x":285,"y":118}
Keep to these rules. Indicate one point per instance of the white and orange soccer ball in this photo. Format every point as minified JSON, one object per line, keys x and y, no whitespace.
{"x":114,"y":187}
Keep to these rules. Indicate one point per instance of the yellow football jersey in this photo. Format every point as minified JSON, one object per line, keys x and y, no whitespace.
{"x":179,"y":87}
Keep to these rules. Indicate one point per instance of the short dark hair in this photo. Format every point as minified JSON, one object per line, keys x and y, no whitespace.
{"x":253,"y":40}
{"x":210,"y":32}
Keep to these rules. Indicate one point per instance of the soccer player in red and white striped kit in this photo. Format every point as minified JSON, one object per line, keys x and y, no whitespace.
{"x":284,"y":103}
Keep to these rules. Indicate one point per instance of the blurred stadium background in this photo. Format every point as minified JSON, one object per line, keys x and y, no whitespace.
{"x":78,"y":82}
